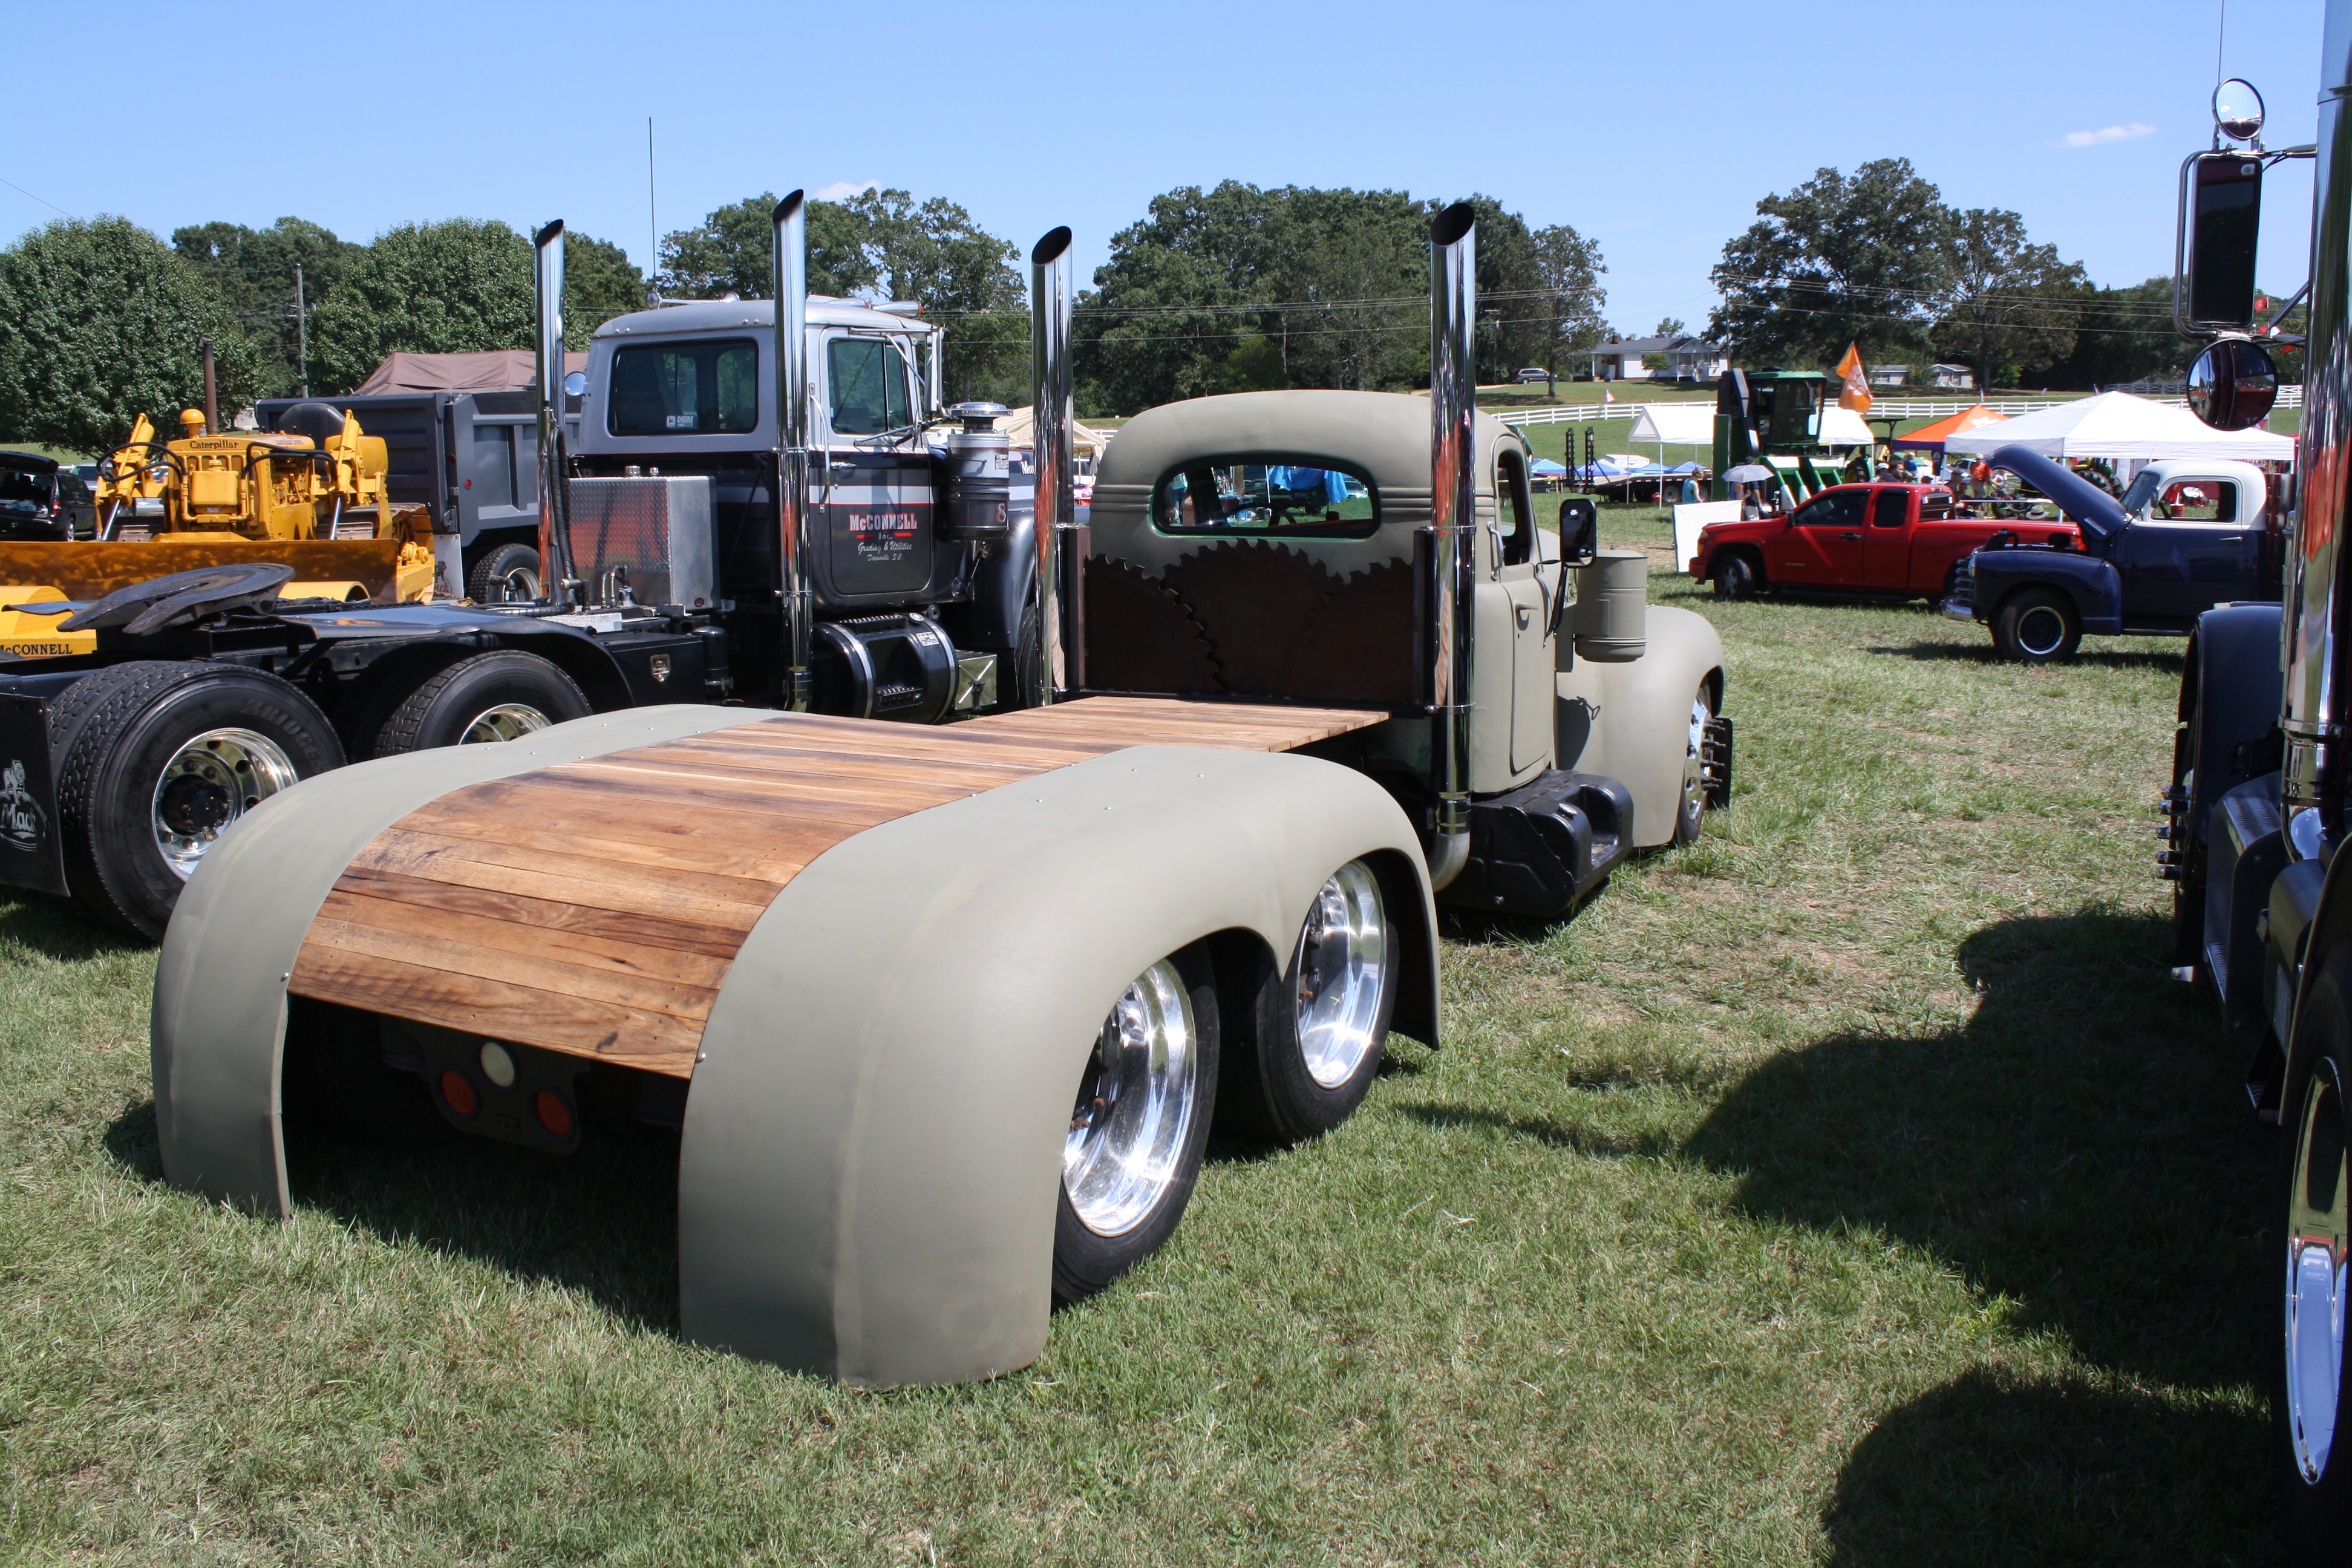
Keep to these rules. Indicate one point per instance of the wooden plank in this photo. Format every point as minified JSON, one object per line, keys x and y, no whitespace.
{"x":650,"y":1040}
{"x":444,"y":866}
{"x":541,"y":914}
{"x":540,"y":971}
{"x":670,"y":964}
{"x":775,"y":858}
{"x":746,"y":892}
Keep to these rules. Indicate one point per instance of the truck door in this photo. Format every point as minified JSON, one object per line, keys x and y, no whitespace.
{"x":873,"y":485}
{"x":1823,"y":545}
{"x":1886,"y":551}
{"x":2191,"y":555}
{"x":1520,"y":572}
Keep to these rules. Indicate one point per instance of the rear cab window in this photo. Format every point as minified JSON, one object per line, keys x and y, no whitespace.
{"x":1892,"y":509}
{"x":686,"y":389}
{"x":1267,"y":494}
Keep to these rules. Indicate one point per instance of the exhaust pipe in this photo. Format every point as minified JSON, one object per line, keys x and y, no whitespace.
{"x":791,"y":282}
{"x":554,"y":468}
{"x":212,"y":390}
{"x":1453,"y":517}
{"x":1057,"y":671}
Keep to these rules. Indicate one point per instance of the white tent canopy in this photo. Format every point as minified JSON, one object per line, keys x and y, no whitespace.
{"x":1843,"y":427}
{"x":1683,"y":424}
{"x":2115,"y":425}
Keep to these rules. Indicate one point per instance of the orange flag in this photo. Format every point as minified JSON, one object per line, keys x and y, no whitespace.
{"x":1855,"y":393}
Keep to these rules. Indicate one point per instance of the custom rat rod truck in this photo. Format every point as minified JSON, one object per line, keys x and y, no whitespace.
{"x":1898,"y":540}
{"x":944,"y":1014}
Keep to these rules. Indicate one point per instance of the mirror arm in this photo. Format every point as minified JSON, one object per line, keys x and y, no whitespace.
{"x":2270,"y":328}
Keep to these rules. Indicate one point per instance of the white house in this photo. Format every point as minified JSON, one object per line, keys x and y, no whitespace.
{"x":1687,"y":359}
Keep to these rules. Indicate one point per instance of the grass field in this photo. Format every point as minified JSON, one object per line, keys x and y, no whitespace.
{"x":1850,"y":1187}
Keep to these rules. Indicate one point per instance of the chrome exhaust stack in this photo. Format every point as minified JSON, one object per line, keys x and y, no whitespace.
{"x":1454,"y":518}
{"x":792,"y":544}
{"x":554,"y":462}
{"x":1052,"y":405}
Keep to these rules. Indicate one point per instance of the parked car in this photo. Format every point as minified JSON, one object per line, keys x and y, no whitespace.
{"x":32,"y":503}
{"x":2188,"y":534}
{"x":1531,"y":374}
{"x":1903,"y":540}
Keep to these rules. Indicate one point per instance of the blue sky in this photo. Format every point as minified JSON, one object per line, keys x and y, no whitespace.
{"x":1652,"y":128}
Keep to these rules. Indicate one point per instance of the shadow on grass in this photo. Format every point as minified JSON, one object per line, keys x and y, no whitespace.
{"x":2166,"y":662}
{"x":55,"y":930}
{"x":1540,"y":1129}
{"x":1990,"y":1469}
{"x":2081,"y":1148}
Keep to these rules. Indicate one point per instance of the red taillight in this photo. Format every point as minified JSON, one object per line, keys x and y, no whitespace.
{"x":457,"y":1092}
{"x":554,"y":1116}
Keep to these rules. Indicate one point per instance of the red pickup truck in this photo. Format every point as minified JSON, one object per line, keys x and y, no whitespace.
{"x":1900,"y":539}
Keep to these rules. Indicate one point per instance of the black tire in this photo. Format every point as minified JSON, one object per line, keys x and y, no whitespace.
{"x":1087,"y":1259}
{"x":116,"y":732}
{"x":1735,"y":577}
{"x":490,"y":696}
{"x":2316,"y":1112}
{"x":506,"y":574}
{"x":335,"y":1072}
{"x":1272,"y":1092}
{"x":1019,"y":687}
{"x":2037,"y":625}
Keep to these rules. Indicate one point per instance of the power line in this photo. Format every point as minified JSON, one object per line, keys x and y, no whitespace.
{"x":43,"y":200}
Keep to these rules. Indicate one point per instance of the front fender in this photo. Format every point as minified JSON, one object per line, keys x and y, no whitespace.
{"x":1631,"y":721}
{"x":872,"y":1152}
{"x":2090,"y":582}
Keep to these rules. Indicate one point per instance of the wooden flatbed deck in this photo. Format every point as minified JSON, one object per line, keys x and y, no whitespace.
{"x":594,"y":907}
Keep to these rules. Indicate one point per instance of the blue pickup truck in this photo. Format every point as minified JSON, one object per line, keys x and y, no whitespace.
{"x":2188,"y":534}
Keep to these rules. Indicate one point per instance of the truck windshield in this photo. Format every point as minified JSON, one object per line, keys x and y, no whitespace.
{"x":1267,"y":493}
{"x":682,"y":389}
{"x":869,"y":390}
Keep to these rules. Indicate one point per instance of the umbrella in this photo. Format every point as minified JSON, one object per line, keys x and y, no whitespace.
{"x":1748,"y":473}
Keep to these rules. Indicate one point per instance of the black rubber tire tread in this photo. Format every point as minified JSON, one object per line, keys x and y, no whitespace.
{"x":2316,"y":1520}
{"x":1085,"y":1264}
{"x":1735,"y":577}
{"x":1269,"y":1096}
{"x":115,"y":875}
{"x":496,"y":564}
{"x":418,"y":722}
{"x":2014,"y":608}
{"x":383,"y":685}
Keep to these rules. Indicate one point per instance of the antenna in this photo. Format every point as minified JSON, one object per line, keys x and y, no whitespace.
{"x":653,"y":228}
{"x":2219,"y":32}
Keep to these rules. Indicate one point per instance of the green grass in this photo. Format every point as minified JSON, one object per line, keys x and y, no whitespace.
{"x":1849,"y":1187}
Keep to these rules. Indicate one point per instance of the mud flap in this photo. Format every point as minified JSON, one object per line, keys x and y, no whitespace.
{"x":30,"y":854}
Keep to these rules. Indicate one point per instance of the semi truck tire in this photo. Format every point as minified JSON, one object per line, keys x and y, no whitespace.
{"x":509,"y":575}
{"x":1139,"y":1126}
{"x":2037,"y":625}
{"x":487,"y":697}
{"x":2311,"y":1429}
{"x":1318,"y":1027}
{"x":1735,"y":577}
{"x":155,"y":760}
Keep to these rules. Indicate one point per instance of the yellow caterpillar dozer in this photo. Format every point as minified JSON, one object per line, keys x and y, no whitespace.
{"x":312,"y":497}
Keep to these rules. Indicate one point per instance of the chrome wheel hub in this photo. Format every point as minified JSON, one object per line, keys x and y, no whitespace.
{"x":1342,"y":965}
{"x":1135,"y":1105}
{"x":209,"y":783}
{"x":2040,"y":631}
{"x":2316,"y":1228}
{"x":1694,"y":759}
{"x":507,"y":722}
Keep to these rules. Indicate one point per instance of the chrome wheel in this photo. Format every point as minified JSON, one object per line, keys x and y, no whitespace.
{"x":1694,"y":758}
{"x":1342,"y":967}
{"x":209,"y":783}
{"x":2316,"y":1227}
{"x":1135,"y":1107}
{"x":507,"y":722}
{"x":2041,"y":631}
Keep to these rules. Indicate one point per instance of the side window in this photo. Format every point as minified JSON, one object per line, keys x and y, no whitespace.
{"x":1890,"y":509}
{"x":1836,"y":509}
{"x":1814,"y":513}
{"x":1515,"y":511}
{"x":866,"y":382}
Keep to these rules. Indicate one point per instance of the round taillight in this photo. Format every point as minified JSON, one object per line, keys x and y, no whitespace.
{"x":457,"y":1093}
{"x":498,"y":1064}
{"x":554,"y":1116}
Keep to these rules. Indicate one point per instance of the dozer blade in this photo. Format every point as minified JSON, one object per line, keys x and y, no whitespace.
{"x":86,"y":572}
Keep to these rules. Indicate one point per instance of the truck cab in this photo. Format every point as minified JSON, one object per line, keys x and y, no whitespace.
{"x":1876,"y":539}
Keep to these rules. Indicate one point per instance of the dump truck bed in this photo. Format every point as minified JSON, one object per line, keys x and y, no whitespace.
{"x":594,"y":907}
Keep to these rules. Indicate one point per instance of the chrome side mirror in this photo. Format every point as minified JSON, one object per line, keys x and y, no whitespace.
{"x":2238,"y":109}
{"x":1580,"y":532}
{"x":2233,"y":384}
{"x":577,"y":384}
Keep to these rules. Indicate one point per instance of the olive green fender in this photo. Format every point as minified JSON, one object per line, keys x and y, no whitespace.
{"x":1630,"y":721}
{"x":871,"y":1159}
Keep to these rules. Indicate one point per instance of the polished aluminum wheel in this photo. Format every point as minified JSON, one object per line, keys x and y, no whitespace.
{"x":2041,"y":631}
{"x":1694,"y":759}
{"x":2317,"y":1204}
{"x":1136,"y":1104}
{"x":209,"y":783}
{"x":1342,"y":967}
{"x":507,"y":722}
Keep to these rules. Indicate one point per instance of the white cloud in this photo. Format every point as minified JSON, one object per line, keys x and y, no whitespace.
{"x":842,"y":190}
{"x":2105,"y":133}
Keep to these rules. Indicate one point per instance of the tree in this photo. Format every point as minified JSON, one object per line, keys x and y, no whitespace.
{"x":461,"y":285}
{"x":1669,"y":327}
{"x":100,"y":322}
{"x":1836,"y":260}
{"x":253,"y":271}
{"x":600,"y":282}
{"x":2007,"y":302}
{"x":2121,"y":335}
{"x":1571,"y":268}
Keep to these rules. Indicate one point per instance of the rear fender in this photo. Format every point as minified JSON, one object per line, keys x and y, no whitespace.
{"x":1631,"y":721}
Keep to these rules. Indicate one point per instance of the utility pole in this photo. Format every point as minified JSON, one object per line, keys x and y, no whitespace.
{"x":301,"y":334}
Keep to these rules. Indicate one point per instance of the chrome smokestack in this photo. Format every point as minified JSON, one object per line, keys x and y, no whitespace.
{"x":554,"y":465}
{"x":791,"y":282}
{"x":1049,"y":375}
{"x":1453,"y":517}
